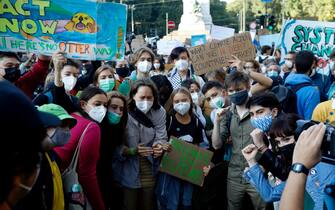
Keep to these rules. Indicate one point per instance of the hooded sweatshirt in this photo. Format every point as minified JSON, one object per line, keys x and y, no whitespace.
{"x":308,"y":97}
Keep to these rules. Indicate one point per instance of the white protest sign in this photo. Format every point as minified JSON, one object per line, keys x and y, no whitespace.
{"x":164,"y":47}
{"x":220,"y":32}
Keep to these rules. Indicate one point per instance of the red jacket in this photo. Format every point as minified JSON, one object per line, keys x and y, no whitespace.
{"x":29,"y":81}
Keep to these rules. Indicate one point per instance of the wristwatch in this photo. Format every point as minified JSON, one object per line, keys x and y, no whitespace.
{"x":299,"y":168}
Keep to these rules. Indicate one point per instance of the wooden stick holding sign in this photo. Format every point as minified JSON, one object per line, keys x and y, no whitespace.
{"x":216,"y":54}
{"x":186,"y":161}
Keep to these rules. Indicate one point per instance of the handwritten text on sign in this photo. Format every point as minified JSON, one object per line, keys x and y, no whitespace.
{"x":186,"y":161}
{"x":215,"y":55}
{"x":82,"y":29}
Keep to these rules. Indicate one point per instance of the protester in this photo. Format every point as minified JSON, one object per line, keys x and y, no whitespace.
{"x":146,"y":135}
{"x":22,"y":133}
{"x":47,"y":192}
{"x":289,"y":65}
{"x":104,"y":79}
{"x":92,"y":109}
{"x":159,"y":67}
{"x":307,"y":153}
{"x":322,"y":172}
{"x":266,"y":53}
{"x":272,"y":72}
{"x":122,"y":70}
{"x":142,"y":60}
{"x":236,"y":125}
{"x":308,"y":96}
{"x":164,"y":88}
{"x":264,"y":108}
{"x":113,"y":137}
{"x":197,"y":99}
{"x":174,"y":193}
{"x":65,"y":76}
{"x":182,"y":69}
{"x":9,"y":70}
{"x":217,"y":75}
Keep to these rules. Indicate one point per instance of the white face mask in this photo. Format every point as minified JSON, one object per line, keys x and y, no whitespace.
{"x":217,"y":102}
{"x":97,"y":113}
{"x":289,"y":64}
{"x":195,"y":98}
{"x":181,"y":64}
{"x":157,"y":65}
{"x":69,"y":82}
{"x":182,"y":108}
{"x":144,"y":106}
{"x":144,"y":66}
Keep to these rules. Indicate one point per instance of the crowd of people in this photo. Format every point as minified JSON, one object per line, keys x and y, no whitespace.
{"x":103,"y":127}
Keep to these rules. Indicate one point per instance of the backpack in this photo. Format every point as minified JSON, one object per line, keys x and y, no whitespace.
{"x":287,"y":96}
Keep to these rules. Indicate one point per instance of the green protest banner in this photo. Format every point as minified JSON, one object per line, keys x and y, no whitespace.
{"x":186,"y":161}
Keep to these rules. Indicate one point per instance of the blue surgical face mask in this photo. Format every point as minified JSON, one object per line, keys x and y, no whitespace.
{"x":263,"y":123}
{"x":272,"y":74}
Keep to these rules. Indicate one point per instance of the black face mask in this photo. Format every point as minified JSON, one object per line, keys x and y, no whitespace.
{"x":240,"y":97}
{"x":12,"y":74}
{"x":287,"y":151}
{"x":122,"y":72}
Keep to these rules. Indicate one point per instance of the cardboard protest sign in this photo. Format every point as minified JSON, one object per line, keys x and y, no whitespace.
{"x":215,"y":55}
{"x":198,"y":39}
{"x":82,"y":29}
{"x":315,"y":36}
{"x":186,"y":161}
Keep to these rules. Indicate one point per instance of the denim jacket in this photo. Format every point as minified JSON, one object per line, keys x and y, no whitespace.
{"x":319,"y":176}
{"x":126,"y":169}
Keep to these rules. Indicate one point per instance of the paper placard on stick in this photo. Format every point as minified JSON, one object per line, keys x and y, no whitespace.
{"x":186,"y":161}
{"x":314,"y":36}
{"x":215,"y":55}
{"x":82,"y":29}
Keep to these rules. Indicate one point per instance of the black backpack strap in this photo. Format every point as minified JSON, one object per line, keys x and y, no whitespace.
{"x":296,"y":88}
{"x":141,"y":118}
{"x":229,"y":117}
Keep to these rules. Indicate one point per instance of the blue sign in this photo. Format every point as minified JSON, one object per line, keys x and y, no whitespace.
{"x":80,"y":28}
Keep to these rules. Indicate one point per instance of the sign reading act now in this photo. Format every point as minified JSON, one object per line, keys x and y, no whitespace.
{"x":186,"y":161}
{"x":216,"y":54}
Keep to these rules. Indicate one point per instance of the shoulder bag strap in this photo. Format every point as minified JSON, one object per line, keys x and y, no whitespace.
{"x":74,"y":161}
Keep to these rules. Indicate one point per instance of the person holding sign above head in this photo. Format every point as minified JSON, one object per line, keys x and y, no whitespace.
{"x":180,"y":57}
{"x":173,"y":192}
{"x":66,"y":72}
{"x":146,"y":134}
{"x":142,"y":60}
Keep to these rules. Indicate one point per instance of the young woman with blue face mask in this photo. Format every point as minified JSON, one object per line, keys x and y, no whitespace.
{"x":104,"y":78}
{"x":113,"y":134}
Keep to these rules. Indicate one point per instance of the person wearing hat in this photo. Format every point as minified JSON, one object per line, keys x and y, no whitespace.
{"x":48,"y":190}
{"x":21,"y":131}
